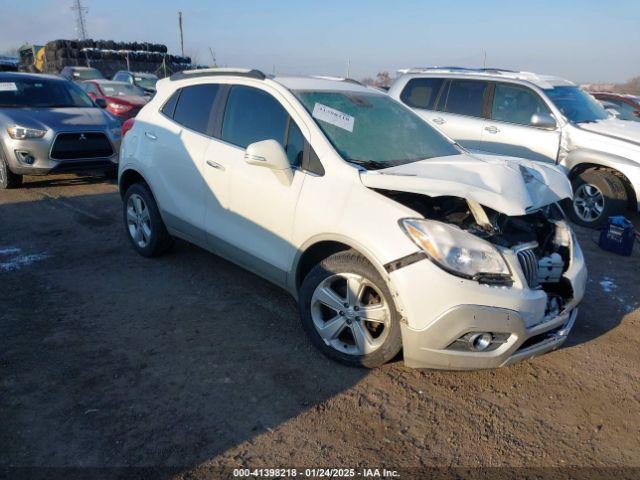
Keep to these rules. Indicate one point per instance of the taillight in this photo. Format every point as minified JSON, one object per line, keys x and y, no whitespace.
{"x":127,"y":125}
{"x":119,"y":107}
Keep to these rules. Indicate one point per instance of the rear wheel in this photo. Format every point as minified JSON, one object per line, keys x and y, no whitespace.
{"x":348,"y":311}
{"x":8,"y":179}
{"x":597,"y":195}
{"x":143,"y":222}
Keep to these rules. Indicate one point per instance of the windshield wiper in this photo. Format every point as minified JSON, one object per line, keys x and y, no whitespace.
{"x":370,"y":164}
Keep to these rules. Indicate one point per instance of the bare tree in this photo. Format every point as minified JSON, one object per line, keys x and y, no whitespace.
{"x":383,"y":79}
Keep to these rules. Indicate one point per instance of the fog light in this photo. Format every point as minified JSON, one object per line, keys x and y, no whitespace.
{"x":480,"y":341}
{"x":25,"y":157}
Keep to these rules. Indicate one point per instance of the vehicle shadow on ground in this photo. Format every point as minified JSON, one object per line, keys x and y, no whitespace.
{"x":117,"y":360}
{"x":66,"y":180}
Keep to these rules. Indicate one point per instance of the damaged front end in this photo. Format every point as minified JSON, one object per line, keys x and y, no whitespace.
{"x":541,"y":240}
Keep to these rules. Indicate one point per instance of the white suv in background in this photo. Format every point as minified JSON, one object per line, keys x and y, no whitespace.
{"x":388,"y":234}
{"x":541,"y":118}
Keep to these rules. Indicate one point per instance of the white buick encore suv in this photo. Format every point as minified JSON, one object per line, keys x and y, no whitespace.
{"x":389,"y":234}
{"x":538,"y":117}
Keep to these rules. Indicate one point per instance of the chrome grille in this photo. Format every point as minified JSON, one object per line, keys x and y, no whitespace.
{"x":529,"y":264}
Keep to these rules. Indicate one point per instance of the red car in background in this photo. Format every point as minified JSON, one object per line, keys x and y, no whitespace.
{"x":122,"y":99}
{"x":627,"y":105}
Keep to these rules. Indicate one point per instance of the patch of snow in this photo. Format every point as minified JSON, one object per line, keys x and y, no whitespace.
{"x":14,"y":259}
{"x":608,"y":285}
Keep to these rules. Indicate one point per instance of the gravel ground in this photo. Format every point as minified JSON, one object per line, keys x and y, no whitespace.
{"x":191,"y":363}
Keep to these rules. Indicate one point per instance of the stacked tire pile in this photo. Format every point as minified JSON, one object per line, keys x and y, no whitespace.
{"x":109,"y":57}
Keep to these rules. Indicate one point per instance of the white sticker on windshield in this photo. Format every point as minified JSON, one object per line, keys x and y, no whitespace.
{"x":8,"y":87}
{"x":333,"y":116}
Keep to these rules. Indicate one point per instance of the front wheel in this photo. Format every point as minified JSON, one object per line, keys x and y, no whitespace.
{"x":597,"y":195}
{"x":143,"y":222}
{"x":348,"y":311}
{"x":8,"y":179}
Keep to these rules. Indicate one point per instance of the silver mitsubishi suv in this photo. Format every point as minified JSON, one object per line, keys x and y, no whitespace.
{"x":538,"y":117}
{"x":50,"y":125}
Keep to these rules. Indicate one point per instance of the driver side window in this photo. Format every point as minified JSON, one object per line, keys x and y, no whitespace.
{"x":253,"y":115}
{"x":515,"y":104}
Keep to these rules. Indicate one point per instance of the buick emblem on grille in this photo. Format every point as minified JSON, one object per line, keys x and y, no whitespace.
{"x":82,"y":137}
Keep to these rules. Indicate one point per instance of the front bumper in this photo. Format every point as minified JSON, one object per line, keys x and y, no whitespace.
{"x":439,"y":309}
{"x":40,"y":161}
{"x":522,"y":343}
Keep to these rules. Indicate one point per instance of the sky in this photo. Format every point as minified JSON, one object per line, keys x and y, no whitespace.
{"x":584,"y":41}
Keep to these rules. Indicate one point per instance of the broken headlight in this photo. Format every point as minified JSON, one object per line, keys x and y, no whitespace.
{"x":456,"y":251}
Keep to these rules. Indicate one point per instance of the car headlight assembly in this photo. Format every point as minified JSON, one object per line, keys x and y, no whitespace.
{"x":458,"y":252}
{"x":23,"y":133}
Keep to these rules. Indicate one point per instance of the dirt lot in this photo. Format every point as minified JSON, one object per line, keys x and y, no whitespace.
{"x":108,"y":359}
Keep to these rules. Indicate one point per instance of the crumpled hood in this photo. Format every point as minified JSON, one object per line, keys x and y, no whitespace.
{"x":509,"y":185}
{"x":612,"y":127}
{"x":59,"y":118}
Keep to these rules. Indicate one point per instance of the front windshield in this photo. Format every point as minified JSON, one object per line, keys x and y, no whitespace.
{"x":86,"y":74}
{"x":120,"y":89}
{"x":147,"y":82}
{"x":41,"y":93}
{"x":576,"y":104}
{"x":374,"y":130}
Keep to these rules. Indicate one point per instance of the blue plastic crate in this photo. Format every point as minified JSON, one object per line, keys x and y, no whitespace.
{"x":618,"y":236}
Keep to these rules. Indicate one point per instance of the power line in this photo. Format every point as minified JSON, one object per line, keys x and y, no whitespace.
{"x":81,"y":23}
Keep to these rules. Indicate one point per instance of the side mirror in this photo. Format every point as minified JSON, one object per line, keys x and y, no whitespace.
{"x":270,"y":154}
{"x":613,"y":112}
{"x":101,"y":102}
{"x":543,"y":120}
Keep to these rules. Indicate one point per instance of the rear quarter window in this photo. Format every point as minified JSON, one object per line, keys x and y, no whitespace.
{"x":421,"y":92}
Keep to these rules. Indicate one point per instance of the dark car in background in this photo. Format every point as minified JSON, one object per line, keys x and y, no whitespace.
{"x":627,"y":106}
{"x":123,"y":100}
{"x":146,"y":81}
{"x":50,"y":125}
{"x":79,"y":74}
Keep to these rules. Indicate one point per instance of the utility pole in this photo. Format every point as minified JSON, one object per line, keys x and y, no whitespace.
{"x":181,"y":34}
{"x":484,"y":62}
{"x":213,"y":56}
{"x":348,"y":68}
{"x":81,"y":23}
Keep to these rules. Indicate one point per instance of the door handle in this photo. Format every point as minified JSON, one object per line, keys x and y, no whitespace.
{"x":213,"y":164}
{"x":150,"y":136}
{"x":439,"y":121}
{"x":492,"y":129}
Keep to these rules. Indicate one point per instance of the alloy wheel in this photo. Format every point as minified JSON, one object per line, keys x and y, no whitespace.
{"x":138,"y":220}
{"x":350,"y":314}
{"x":588,"y":202}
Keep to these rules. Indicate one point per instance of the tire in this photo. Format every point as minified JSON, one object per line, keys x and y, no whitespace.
{"x":606,"y":192}
{"x":8,"y":179}
{"x":339,"y":343}
{"x":153,"y":239}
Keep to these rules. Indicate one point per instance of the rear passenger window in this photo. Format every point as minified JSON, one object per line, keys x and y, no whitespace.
{"x":170,"y":106}
{"x":253,"y":115}
{"x":421,"y":92}
{"x":515,"y":104}
{"x":466,"y":97}
{"x":194,"y":106}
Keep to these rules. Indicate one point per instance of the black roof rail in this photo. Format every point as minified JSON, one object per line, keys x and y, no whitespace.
{"x":211,"y":72}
